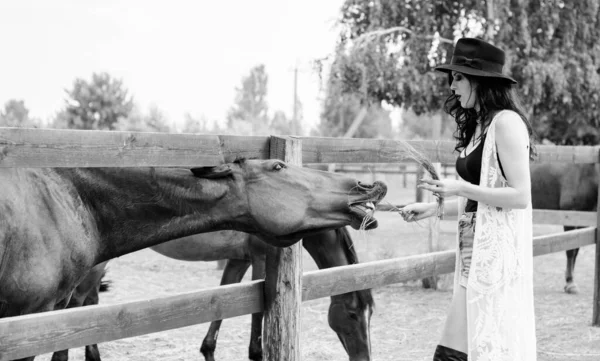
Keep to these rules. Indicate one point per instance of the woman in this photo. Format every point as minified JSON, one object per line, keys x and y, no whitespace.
{"x":491,"y":316}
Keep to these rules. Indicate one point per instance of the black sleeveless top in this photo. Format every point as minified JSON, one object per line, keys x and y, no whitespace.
{"x":469,"y":169}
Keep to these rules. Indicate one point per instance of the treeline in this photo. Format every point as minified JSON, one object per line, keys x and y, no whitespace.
{"x":104,"y":103}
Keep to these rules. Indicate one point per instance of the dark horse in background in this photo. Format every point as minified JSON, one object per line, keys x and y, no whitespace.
{"x":565,"y":187}
{"x":56,"y":224}
{"x":349,"y":313}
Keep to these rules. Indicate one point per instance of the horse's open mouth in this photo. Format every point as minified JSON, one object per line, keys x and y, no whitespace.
{"x":362,"y":215}
{"x":362,"y":210}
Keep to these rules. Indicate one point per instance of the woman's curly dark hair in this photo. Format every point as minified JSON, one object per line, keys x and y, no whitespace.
{"x":494,"y":95}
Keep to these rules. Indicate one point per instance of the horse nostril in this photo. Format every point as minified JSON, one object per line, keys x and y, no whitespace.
{"x":365,"y":186}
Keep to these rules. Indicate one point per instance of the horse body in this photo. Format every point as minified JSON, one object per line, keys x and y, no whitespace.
{"x":58,"y":223}
{"x":565,"y":187}
{"x":213,"y":246}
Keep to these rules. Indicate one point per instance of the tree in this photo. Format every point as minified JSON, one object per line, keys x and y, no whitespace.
{"x":250,"y":105}
{"x":201,"y":126}
{"x":345,"y":115}
{"x":16,"y":114}
{"x":137,"y":121}
{"x":98,"y":104}
{"x":387,"y":50}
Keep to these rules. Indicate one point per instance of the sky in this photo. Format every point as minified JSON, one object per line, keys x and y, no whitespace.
{"x":184,"y":56}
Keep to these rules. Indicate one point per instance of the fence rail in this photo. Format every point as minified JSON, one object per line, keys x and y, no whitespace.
{"x":22,"y":147}
{"x":29,"y":335}
{"x":46,"y":332}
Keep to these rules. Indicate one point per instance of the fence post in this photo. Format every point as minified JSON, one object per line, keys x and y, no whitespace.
{"x":596,"y":313}
{"x":433,"y":236}
{"x":283,"y":281}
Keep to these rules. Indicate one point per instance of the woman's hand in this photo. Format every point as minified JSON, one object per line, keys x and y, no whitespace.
{"x":417,"y":211}
{"x":442,"y":188}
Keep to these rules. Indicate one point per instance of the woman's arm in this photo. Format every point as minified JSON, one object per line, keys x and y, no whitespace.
{"x":417,"y":211}
{"x":512,"y":141}
{"x":451,"y":207}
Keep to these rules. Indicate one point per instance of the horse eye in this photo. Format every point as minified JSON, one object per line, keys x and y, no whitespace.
{"x":278,"y":166}
{"x":353,"y":316}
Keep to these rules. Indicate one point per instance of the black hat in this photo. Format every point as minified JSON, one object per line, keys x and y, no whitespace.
{"x":476,"y":57}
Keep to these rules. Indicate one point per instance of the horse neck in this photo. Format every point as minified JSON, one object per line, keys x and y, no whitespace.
{"x":135,"y":208}
{"x":335,"y":248}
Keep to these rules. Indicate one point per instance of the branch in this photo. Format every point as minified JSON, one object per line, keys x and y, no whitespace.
{"x":378,"y":33}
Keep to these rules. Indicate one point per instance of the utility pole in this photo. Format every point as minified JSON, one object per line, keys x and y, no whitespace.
{"x":490,"y":21}
{"x":295,"y":110}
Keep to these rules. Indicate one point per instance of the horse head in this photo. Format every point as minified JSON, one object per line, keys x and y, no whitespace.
{"x":284,"y":202}
{"x":349,"y":313}
{"x":350,"y":317}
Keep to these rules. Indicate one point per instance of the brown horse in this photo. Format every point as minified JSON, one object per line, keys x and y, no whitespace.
{"x":59,"y":223}
{"x":349,"y":313}
{"x":565,"y":187}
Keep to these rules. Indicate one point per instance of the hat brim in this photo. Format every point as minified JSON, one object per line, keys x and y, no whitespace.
{"x":475,"y":72}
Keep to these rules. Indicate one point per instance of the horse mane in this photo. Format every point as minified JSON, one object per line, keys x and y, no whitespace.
{"x":365,"y":297}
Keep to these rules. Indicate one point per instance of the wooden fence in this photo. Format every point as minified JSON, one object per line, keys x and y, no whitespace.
{"x":405,"y":170}
{"x":279,"y":295}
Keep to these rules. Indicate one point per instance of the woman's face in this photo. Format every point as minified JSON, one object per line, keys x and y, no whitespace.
{"x":464,"y":89}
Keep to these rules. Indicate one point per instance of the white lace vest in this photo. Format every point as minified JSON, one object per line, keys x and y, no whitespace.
{"x":500,"y":310}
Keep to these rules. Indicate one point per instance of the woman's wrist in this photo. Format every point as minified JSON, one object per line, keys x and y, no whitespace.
{"x":462,"y":188}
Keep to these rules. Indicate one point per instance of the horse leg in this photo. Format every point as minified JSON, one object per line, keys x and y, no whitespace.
{"x":570,"y":286}
{"x":255,"y":350}
{"x":63,"y":355}
{"x":92,"y":353}
{"x":11,"y":313}
{"x":85,"y":294}
{"x":233,"y":273}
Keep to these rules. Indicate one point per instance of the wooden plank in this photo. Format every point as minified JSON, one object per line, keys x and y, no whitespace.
{"x":563,"y":241}
{"x":596,"y":300}
{"x":567,"y":154}
{"x":357,"y":150}
{"x":540,"y":216}
{"x":385,"y":168}
{"x":566,"y":218}
{"x":23,"y":147}
{"x":283,"y":281}
{"x":433,"y":236}
{"x":34,"y":334}
{"x":338,"y":280}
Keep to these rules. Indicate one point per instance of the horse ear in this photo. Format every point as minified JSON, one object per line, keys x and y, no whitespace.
{"x":219,"y":171}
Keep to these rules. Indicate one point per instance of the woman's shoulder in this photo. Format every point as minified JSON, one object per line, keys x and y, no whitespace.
{"x":508,"y":123}
{"x":508,"y":119}
{"x":507,"y":115}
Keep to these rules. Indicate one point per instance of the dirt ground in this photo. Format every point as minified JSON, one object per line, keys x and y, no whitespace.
{"x":405,"y":325}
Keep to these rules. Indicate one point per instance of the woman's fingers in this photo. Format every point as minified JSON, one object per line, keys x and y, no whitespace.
{"x":431,"y":181}
{"x":407,"y":215}
{"x":430,"y":188}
